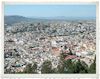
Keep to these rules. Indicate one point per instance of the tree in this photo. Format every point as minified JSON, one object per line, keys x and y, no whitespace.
{"x":80,"y":67}
{"x":68,"y":66}
{"x":31,"y":68}
{"x":60,"y":68}
{"x":92,"y":68}
{"x":34,"y":68}
{"x":28,"y":68}
{"x":46,"y":67}
{"x":65,"y":66}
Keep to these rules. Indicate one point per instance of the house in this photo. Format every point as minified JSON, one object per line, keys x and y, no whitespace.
{"x":71,"y":57}
{"x":81,"y":53}
{"x":78,"y":53}
{"x":56,"y":51}
{"x":53,"y":43}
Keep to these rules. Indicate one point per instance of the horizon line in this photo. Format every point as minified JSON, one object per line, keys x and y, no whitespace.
{"x":54,"y":16}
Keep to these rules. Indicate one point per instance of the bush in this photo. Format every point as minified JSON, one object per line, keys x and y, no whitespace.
{"x":46,"y":67}
{"x":31,"y":68}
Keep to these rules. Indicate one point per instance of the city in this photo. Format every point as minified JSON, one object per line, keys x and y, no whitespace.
{"x":36,"y":42}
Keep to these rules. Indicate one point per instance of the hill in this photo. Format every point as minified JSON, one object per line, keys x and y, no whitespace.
{"x":9,"y":20}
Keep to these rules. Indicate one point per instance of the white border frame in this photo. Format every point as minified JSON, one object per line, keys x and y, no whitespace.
{"x":52,"y":75}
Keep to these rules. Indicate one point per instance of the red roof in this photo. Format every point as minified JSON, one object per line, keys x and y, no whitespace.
{"x":71,"y":57}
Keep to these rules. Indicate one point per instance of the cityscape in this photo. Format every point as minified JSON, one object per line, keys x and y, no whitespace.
{"x":47,"y":44}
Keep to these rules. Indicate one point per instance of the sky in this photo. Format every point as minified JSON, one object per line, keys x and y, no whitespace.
{"x":51,"y":10}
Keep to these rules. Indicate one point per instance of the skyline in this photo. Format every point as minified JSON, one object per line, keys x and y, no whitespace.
{"x":51,"y":10}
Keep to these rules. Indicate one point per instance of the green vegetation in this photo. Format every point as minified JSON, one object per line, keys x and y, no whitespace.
{"x":47,"y":67}
{"x":80,"y":67}
{"x":31,"y":68}
{"x":68,"y":66}
{"x":65,"y":66}
{"x":92,"y":68}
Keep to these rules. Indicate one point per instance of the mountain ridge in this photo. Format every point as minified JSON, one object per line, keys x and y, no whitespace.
{"x":11,"y":19}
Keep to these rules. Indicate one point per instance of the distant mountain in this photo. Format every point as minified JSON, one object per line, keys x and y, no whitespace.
{"x":64,"y":18}
{"x":9,"y":20}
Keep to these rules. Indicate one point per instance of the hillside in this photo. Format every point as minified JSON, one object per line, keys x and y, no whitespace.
{"x":9,"y":20}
